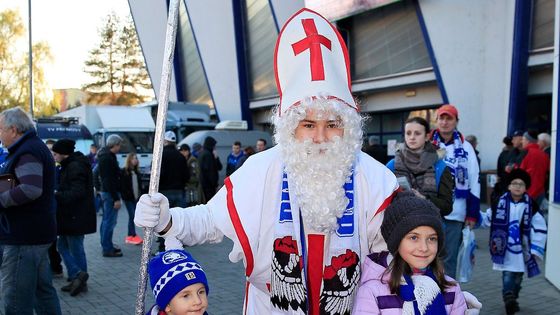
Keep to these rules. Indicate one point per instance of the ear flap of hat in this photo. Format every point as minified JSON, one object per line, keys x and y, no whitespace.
{"x":311,"y":60}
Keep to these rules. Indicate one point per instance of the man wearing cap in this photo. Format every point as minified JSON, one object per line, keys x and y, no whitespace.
{"x":536,"y":163}
{"x":109,"y":173}
{"x":174,"y":175}
{"x":174,"y":172}
{"x":75,"y":212}
{"x":305,"y":213}
{"x":461,"y":159}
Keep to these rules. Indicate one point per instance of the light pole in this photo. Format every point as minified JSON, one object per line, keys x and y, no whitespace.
{"x":30,"y":64}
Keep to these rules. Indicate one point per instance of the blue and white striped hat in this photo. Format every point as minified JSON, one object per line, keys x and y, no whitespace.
{"x":172,"y":271}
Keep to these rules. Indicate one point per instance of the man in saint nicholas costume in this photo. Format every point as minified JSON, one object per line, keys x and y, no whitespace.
{"x":304,"y":214}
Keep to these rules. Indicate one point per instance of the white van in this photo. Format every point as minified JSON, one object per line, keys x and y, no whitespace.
{"x":224,"y":141}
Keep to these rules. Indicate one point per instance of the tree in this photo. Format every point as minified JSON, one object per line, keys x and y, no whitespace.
{"x":117,"y":66}
{"x":14,"y":68}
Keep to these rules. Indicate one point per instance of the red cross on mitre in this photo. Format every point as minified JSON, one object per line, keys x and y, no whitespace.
{"x":313,"y":41}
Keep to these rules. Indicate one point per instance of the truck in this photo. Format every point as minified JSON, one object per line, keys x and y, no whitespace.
{"x":184,"y":118}
{"x":56,"y":128}
{"x":134,"y":125}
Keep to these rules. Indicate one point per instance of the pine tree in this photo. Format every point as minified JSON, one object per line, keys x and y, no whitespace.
{"x":102,"y":64}
{"x":134,"y":74}
{"x":117,"y":66}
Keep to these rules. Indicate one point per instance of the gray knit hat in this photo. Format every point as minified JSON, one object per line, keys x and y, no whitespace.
{"x":407,"y":212}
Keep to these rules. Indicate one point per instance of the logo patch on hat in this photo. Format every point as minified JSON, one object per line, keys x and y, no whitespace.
{"x":190,"y":275}
{"x":173,"y":257}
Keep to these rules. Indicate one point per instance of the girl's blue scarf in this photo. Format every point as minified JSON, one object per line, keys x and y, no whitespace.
{"x":500,"y":232}
{"x":458,"y":163}
{"x":406,"y":292}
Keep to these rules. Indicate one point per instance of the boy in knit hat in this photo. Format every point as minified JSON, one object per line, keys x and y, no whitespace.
{"x":179,"y":284}
{"x":517,"y":235}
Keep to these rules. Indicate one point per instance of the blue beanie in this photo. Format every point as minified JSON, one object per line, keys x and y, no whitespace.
{"x":172,"y":271}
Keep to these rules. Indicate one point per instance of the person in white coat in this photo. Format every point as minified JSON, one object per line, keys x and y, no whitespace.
{"x":305,"y":213}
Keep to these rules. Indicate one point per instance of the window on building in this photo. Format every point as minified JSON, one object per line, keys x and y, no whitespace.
{"x":386,"y":41}
{"x":542,"y":32}
{"x":260,"y":40}
{"x":390,"y":125}
{"x":192,"y":78}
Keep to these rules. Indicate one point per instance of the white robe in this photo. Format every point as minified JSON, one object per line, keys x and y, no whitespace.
{"x":246,"y":210}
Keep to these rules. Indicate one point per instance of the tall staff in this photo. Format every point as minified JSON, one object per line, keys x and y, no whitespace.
{"x":163,"y":100}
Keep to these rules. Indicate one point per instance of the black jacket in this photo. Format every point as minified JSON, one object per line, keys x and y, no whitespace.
{"x":127,"y":193}
{"x":75,"y":206}
{"x":174,"y":171}
{"x":109,"y":172}
{"x":209,"y":165}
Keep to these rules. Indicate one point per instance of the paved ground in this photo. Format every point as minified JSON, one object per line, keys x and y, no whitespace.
{"x":113,"y":281}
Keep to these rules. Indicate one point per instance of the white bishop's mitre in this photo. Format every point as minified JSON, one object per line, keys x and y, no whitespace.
{"x":311,"y":60}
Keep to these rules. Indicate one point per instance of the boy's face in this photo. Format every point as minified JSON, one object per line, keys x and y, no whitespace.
{"x":517,"y":188}
{"x":192,"y":300}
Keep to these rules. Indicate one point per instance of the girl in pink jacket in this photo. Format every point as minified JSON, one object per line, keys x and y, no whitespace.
{"x":414,"y":282}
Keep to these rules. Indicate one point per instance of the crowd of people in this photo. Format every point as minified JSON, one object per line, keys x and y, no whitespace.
{"x":55,"y":194}
{"x":322,"y":227}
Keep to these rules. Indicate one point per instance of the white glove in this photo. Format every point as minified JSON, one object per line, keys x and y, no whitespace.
{"x":473,"y":305}
{"x":152,"y":212}
{"x":171,"y":242}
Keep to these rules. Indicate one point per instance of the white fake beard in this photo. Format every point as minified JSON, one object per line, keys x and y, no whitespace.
{"x":316,"y":174}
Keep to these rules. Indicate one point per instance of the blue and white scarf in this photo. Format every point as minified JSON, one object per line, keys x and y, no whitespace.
{"x":499,"y":233}
{"x":458,"y":163}
{"x":426,"y":299}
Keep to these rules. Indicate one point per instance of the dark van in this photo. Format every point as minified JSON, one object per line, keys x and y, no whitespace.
{"x":57,"y":128}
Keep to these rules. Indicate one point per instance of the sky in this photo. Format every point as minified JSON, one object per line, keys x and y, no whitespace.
{"x":70,"y":27}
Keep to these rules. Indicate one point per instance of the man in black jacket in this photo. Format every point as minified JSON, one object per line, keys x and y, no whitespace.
{"x":173,"y":177}
{"x":174,"y":172}
{"x":109,"y":172}
{"x":73,"y":222}
{"x":210,"y":165}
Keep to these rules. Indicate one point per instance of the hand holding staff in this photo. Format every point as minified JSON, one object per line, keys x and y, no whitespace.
{"x":163,"y":100}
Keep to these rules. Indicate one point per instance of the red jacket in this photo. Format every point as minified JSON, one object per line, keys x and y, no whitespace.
{"x":537,"y":164}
